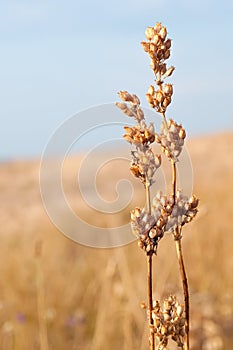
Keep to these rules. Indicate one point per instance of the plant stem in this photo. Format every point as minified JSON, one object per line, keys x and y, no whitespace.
{"x":150,"y":300}
{"x":185,"y":290}
{"x":177,"y":236}
{"x":148,"y":205}
{"x":149,"y":277}
{"x":173,"y":180}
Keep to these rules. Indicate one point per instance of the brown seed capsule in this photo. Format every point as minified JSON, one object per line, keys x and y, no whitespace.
{"x":152,"y":233}
{"x":168,"y":43}
{"x":167,"y":305}
{"x":168,"y":89}
{"x":136,"y":99}
{"x":163,"y":33}
{"x":150,"y":99}
{"x":157,"y":27}
{"x":160,"y":222}
{"x":166,"y":102}
{"x":156,"y":39}
{"x":125,"y":96}
{"x":163,"y":68}
{"x":159,"y":96}
{"x":149,"y":33}
{"x":137,"y":211}
{"x":194,"y":202}
{"x":179,"y":310}
{"x":145,"y":45}
{"x":166,"y":316}
{"x":128,"y":130}
{"x":140,"y":114}
{"x":122,"y":106}
{"x":152,"y":47}
{"x":182,"y":322}
{"x":163,"y":330}
{"x":167,"y":54}
{"x":182,"y":333}
{"x":169,"y":71}
{"x":154,"y":66}
{"x":151,"y":90}
{"x":148,"y":248}
{"x":182,"y":133}
{"x":128,"y":138}
{"x":157,"y":321}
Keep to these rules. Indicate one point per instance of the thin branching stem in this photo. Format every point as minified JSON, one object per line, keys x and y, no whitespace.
{"x":185,"y":290}
{"x":148,"y":204}
{"x":150,"y":300}
{"x":177,"y":236}
{"x":164,"y":121}
{"x":150,"y":277}
{"x":174,"y":180}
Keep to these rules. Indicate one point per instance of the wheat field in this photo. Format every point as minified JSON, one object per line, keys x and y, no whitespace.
{"x":57,"y":294}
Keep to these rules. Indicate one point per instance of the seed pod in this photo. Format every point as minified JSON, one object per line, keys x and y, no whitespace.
{"x":182,"y":333}
{"x":167,"y":305}
{"x":160,"y":223}
{"x":151,"y":54}
{"x":163,"y":330}
{"x":150,"y":99}
{"x":166,"y":102}
{"x":163,"y":68}
{"x":140,"y":114}
{"x":145,"y":45}
{"x":182,"y":133}
{"x":148,"y":248}
{"x":137,"y":211}
{"x":136,"y":99}
{"x":122,"y":106}
{"x":167,"y":316}
{"x":168,"y":89}
{"x":156,"y":39}
{"x":152,"y":47}
{"x":128,"y":138}
{"x":163,"y":33}
{"x":159,"y":96}
{"x":149,"y":33}
{"x":154,"y":66}
{"x":157,"y":321}
{"x":129,"y":130}
{"x":179,"y":310}
{"x":125,"y":96}
{"x":167,"y":54}
{"x":194,"y":202}
{"x":157,"y":27}
{"x":152,"y":233}
{"x":129,"y":112}
{"x":169,"y":71}
{"x":151,"y":90}
{"x":168,"y":43}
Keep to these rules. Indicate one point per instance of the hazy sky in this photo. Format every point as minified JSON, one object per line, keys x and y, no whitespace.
{"x":60,"y":57}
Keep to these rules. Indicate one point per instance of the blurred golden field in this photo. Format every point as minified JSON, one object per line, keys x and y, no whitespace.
{"x":57,"y":294}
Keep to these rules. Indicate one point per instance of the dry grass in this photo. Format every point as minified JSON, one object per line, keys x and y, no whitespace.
{"x":90,"y":296}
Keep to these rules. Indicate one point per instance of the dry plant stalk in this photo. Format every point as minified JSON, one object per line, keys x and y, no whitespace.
{"x":41,"y":297}
{"x":165,"y":213}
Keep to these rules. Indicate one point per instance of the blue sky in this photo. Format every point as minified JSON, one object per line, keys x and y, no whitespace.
{"x":61,"y":57}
